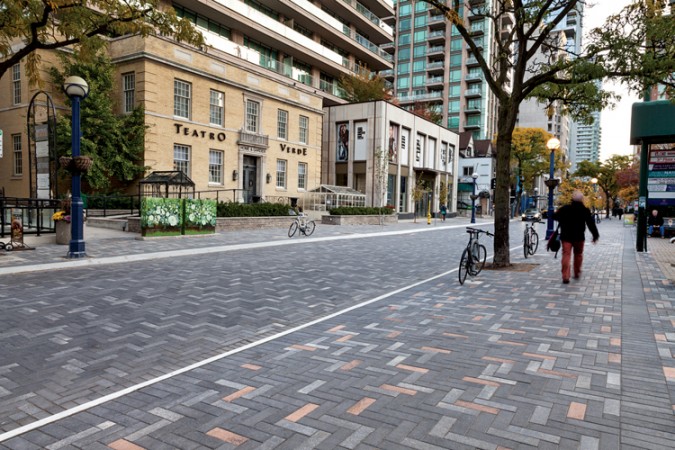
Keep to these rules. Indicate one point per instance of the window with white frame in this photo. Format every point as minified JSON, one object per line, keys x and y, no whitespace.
{"x":17,"y":154}
{"x":181,"y":158}
{"x":252,"y":116}
{"x":182,"y":96}
{"x":215,"y":167}
{"x":281,"y":173}
{"x":16,"y":84}
{"x":282,"y":124}
{"x":304,"y":129}
{"x":129,"y":90}
{"x":302,"y":175}
{"x":217,"y":108}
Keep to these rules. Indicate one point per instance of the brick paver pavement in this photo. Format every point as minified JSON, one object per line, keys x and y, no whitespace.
{"x":511,"y":359}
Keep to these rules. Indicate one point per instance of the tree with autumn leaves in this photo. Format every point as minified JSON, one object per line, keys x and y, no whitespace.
{"x":28,"y":26}
{"x":531,"y":60}
{"x":608,"y":174}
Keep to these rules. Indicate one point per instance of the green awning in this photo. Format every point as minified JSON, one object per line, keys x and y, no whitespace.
{"x":652,"y":122}
{"x":465,"y":187}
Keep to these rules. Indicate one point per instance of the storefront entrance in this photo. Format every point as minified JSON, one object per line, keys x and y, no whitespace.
{"x":250,"y":181}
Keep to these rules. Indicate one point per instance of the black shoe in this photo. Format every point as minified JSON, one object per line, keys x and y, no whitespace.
{"x":566,"y":281}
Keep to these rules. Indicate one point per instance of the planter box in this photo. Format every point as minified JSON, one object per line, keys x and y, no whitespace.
{"x":63,"y":234}
{"x":389,"y":219}
{"x":252,"y":223}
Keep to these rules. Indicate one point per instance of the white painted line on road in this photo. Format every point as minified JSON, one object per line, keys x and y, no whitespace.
{"x":115,"y":395}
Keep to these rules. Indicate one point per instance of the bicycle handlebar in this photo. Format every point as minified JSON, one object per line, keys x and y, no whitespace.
{"x":478,"y":230}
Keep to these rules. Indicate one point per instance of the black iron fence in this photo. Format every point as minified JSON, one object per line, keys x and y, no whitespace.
{"x":35,"y":214}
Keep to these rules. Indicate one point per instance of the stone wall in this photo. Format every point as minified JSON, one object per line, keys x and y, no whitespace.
{"x":251,"y":223}
{"x":359,"y":220}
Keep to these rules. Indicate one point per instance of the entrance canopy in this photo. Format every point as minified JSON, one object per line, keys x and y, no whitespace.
{"x":169,"y":183}
{"x":329,"y":196}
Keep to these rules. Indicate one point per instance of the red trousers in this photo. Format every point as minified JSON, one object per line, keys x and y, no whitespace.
{"x":567,"y":248}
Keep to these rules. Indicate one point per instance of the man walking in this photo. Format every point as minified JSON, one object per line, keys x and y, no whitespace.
{"x":573,"y":220}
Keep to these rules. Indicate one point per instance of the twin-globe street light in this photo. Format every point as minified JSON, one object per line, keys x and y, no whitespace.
{"x":77,"y":90}
{"x":473,"y":198}
{"x":553,"y":144}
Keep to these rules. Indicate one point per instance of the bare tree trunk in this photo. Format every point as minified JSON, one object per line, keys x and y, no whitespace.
{"x":506,"y":124}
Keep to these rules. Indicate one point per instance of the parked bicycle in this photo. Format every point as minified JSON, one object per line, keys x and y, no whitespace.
{"x":302,"y":223}
{"x":530,"y":240}
{"x":474,"y":255}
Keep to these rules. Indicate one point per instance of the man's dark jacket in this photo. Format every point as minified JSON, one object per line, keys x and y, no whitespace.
{"x":573,"y":219}
{"x":655,"y":221}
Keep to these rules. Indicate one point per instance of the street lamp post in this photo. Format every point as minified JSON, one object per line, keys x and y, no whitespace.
{"x":552,"y":145}
{"x":77,"y":90}
{"x":536,"y":197}
{"x":473,"y":198}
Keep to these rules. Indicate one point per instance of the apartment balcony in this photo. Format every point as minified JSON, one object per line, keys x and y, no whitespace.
{"x":472,"y":123}
{"x":473,"y":77}
{"x":473,"y":108}
{"x":254,"y":139}
{"x":436,"y":67}
{"x":436,"y":22}
{"x":331,"y":88}
{"x":471,"y":61}
{"x":434,"y":37}
{"x":435,"y":82}
{"x":477,"y":29}
{"x":359,"y":14}
{"x":387,"y":74}
{"x":473,"y":92}
{"x":435,"y":50}
{"x":508,"y":19}
{"x":429,"y":97}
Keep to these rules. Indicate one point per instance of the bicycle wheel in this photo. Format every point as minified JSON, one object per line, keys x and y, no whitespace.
{"x":464,"y":264}
{"x":526,"y":244}
{"x":479,"y":254}
{"x":534,"y":242}
{"x":309,"y":228}
{"x":292,"y":229}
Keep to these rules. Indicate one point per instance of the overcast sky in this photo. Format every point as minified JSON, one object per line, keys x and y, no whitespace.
{"x":616,"y":122}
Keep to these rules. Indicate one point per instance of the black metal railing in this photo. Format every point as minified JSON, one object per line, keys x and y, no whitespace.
{"x":35,"y":214}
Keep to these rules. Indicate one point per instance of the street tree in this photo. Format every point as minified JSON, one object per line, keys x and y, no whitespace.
{"x":364,"y":86}
{"x":27,"y":26}
{"x":530,"y":157}
{"x":532,"y":61}
{"x":606,"y":174}
{"x":114,"y":142}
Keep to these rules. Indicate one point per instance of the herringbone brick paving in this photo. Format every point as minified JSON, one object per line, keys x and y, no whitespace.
{"x":509,"y":360}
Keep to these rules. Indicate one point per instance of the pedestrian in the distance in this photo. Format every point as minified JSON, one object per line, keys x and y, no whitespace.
{"x":573,"y":220}
{"x":444,"y":211}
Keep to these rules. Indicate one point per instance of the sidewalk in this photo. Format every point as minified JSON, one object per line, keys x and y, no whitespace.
{"x":508,"y":360}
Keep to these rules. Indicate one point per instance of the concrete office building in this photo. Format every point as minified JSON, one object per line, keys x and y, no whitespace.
{"x":243,"y":115}
{"x":387,"y":152}
{"x":434,"y":67}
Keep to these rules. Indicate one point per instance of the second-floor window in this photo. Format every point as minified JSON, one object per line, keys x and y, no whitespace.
{"x":129,"y":88}
{"x":17,"y":154}
{"x":181,"y":158}
{"x":282,"y":124}
{"x":217,"y":107}
{"x":16,"y":84}
{"x":182,"y":96}
{"x":281,"y":173}
{"x":252,"y":116}
{"x":304,"y":129}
